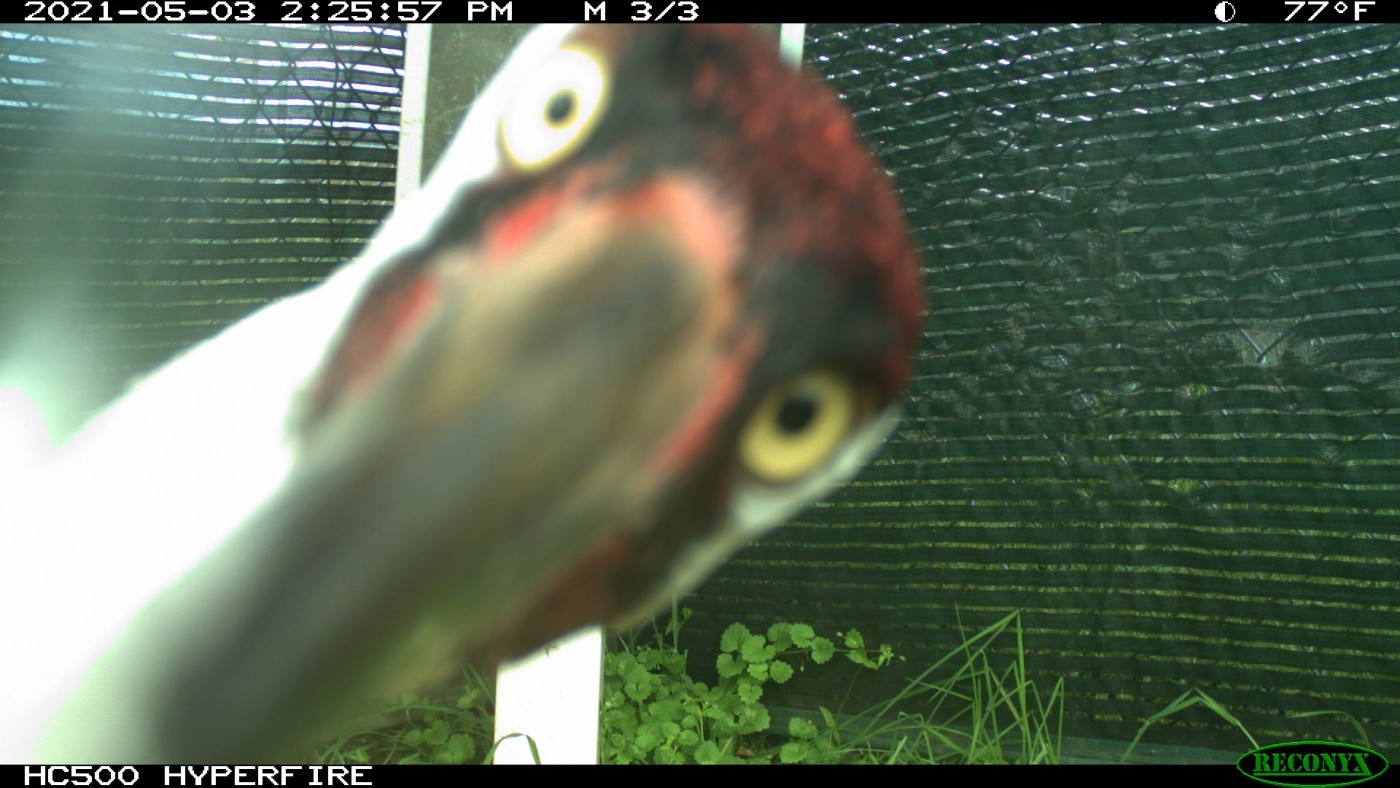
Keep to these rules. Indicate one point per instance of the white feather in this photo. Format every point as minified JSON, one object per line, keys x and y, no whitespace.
{"x":164,"y":477}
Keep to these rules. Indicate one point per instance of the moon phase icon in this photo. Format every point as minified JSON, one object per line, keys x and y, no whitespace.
{"x":1225,"y":11}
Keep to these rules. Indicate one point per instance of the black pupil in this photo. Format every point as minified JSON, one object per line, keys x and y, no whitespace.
{"x":559,"y":108}
{"x":797,"y":413}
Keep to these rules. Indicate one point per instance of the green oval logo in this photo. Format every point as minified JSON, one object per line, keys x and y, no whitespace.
{"x":1312,"y":764}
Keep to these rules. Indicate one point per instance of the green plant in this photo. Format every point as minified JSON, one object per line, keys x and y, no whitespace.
{"x":974,"y":714}
{"x":1187,"y":699}
{"x":1195,"y":697}
{"x":422,"y":729}
{"x":654,"y":712}
{"x":1355,"y":723}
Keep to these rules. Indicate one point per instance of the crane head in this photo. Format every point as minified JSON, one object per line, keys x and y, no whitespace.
{"x":656,"y":298}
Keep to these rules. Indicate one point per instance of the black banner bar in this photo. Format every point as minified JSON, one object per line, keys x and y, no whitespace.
{"x":683,"y":11}
{"x":1168,"y":776}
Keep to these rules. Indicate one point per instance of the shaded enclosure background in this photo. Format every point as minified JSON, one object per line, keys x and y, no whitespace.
{"x":1157,"y":406}
{"x":158,"y":183}
{"x":1157,"y":403}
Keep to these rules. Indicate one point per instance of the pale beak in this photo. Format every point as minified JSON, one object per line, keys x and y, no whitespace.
{"x":471,"y":498}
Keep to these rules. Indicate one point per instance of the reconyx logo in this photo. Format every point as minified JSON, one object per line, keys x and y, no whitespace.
{"x":1312,"y":763}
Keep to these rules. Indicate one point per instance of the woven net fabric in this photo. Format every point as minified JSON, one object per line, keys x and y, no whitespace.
{"x":160,"y":182}
{"x":1157,"y":404}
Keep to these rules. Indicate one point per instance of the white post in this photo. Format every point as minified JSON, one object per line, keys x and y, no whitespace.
{"x":553,"y":697}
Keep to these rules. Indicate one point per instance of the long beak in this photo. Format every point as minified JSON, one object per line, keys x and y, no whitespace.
{"x":521,"y":436}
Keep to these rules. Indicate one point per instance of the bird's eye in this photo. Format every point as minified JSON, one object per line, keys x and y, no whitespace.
{"x":555,"y":109}
{"x":798,"y":426}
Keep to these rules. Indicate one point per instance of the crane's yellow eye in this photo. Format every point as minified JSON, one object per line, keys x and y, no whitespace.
{"x":799,"y":426}
{"x":555,"y":109}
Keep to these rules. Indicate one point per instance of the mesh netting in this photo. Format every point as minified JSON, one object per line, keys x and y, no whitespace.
{"x":162,"y":182}
{"x":1157,"y":402}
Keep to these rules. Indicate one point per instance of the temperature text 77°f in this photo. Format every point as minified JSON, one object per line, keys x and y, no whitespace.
{"x":1338,"y":11}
